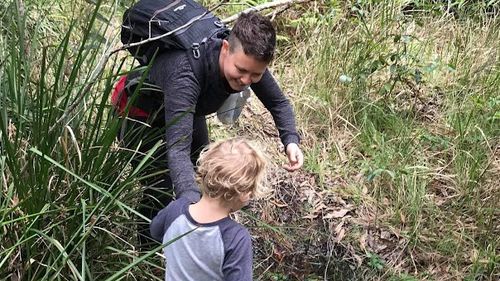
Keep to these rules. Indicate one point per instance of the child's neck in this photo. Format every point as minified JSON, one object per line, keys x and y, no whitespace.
{"x":208,"y":210}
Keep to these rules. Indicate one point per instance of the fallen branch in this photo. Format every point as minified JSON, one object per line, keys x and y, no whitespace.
{"x":264,"y":6}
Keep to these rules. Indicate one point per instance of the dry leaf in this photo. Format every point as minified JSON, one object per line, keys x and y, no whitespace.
{"x":15,"y":201}
{"x":362,"y":241}
{"x":279,"y":204}
{"x":385,"y":235}
{"x":311,"y":216}
{"x":309,"y":194}
{"x":339,"y":227}
{"x":336,"y":214}
{"x":358,"y":259}
{"x":340,"y":235}
{"x":319,"y":207}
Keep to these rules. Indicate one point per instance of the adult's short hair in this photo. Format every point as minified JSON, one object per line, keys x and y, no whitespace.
{"x":255,"y":34}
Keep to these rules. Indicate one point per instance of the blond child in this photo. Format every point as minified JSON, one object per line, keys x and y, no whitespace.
{"x":215,"y":247}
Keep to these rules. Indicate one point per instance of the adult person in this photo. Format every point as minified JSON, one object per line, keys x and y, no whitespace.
{"x":228,"y":66}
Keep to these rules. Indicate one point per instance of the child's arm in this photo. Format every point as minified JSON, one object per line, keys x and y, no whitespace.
{"x":238,"y":260}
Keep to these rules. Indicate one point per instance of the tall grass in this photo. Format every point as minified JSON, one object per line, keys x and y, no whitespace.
{"x":410,"y":99}
{"x":399,"y":99}
{"x":67,"y":192}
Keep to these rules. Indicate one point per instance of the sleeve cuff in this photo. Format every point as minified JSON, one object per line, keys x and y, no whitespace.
{"x":192,"y":196}
{"x":291,"y":138}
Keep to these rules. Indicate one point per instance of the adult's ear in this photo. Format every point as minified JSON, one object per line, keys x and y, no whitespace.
{"x":225,"y":45}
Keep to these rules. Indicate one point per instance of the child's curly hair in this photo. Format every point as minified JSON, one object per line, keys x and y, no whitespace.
{"x":230,"y":168}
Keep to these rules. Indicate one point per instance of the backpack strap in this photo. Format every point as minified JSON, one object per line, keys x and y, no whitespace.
{"x":150,"y":97}
{"x":196,"y":60}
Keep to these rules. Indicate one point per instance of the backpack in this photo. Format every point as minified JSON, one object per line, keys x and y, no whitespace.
{"x":190,"y":23}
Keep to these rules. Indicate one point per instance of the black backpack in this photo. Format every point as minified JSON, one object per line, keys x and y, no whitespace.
{"x":191,"y":23}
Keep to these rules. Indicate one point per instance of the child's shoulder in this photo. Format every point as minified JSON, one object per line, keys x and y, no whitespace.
{"x":236,"y":237}
{"x":232,"y":229}
{"x":174,"y":209}
{"x":162,"y":221}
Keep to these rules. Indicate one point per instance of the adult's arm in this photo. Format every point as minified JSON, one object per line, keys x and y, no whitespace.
{"x":157,"y":226}
{"x":269,"y":93}
{"x":172,"y":72}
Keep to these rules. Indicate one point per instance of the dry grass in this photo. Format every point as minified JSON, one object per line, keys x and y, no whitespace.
{"x":394,"y":187}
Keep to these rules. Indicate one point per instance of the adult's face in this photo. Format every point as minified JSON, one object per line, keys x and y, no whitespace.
{"x":239,"y":69}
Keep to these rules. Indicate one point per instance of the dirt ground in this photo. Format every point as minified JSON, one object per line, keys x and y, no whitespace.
{"x":303,"y":230}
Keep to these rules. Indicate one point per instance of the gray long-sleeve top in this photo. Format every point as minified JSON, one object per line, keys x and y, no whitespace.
{"x":186,"y":97}
{"x":220,"y":250}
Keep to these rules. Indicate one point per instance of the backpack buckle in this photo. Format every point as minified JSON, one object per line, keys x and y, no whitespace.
{"x":218,"y":23}
{"x":196,"y":50}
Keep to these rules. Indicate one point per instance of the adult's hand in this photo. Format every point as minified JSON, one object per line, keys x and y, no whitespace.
{"x":295,"y":157}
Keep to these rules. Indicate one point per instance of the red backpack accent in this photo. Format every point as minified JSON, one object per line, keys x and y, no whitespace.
{"x":119,"y":100}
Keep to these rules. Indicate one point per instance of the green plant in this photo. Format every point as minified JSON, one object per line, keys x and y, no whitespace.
{"x":408,"y":101}
{"x":396,"y":99}
{"x":68,"y":194}
{"x":375,"y":262}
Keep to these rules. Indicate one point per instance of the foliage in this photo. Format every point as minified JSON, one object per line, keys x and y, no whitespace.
{"x":67,"y":191}
{"x":397,"y":102}
{"x":406,"y":99}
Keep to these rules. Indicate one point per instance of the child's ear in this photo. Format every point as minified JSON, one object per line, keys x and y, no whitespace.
{"x":247,"y":196}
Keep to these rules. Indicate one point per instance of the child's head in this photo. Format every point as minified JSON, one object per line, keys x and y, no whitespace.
{"x":231,"y":170}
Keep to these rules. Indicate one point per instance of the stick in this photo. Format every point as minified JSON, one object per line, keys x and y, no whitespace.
{"x":264,"y":6}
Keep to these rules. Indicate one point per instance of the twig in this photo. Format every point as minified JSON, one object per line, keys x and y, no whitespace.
{"x":263,"y":7}
{"x":273,"y":14}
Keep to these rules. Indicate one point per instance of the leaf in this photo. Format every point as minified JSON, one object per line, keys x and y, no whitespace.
{"x":418,"y":76}
{"x":311,"y":216}
{"x":339,"y":227}
{"x":345,"y":79}
{"x":279,"y":204}
{"x":340,"y":231}
{"x":281,"y":38}
{"x":336,"y":214}
{"x":362,"y":241}
{"x":96,"y":37}
{"x":340,"y":235}
{"x":378,"y":172}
